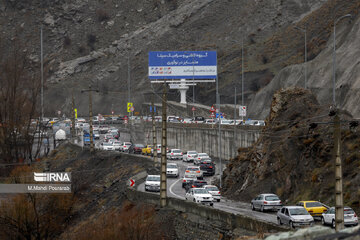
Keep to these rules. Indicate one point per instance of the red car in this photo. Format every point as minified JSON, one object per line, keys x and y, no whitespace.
{"x":136,"y":148}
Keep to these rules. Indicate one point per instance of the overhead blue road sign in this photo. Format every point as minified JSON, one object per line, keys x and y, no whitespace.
{"x":183,"y":65}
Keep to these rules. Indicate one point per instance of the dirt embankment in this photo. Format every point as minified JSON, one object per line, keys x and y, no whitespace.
{"x":294,"y":155}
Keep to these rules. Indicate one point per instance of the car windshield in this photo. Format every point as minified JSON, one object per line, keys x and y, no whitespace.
{"x":348,"y":211}
{"x":200,"y":191}
{"x":192,"y":152}
{"x":298,"y":211}
{"x":203,"y":155}
{"x":171,"y":166}
{"x":212,"y":189}
{"x":313,"y":204}
{"x":153,"y":178}
{"x":117,"y":143}
{"x":272,"y":198}
{"x":107,"y":144}
{"x":176,"y":151}
{"x":192,"y":169}
{"x":139,"y":145}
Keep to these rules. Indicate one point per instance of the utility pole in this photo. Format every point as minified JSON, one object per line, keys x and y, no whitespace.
{"x":235,"y":127}
{"x":154,"y":131}
{"x":193,"y":112}
{"x":42,"y":74}
{"x":129,"y":90}
{"x":163,"y":188}
{"x":339,"y":203}
{"x":73,"y":115}
{"x":219,"y":122}
{"x":90,"y":116}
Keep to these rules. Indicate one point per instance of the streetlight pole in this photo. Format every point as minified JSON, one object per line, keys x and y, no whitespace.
{"x":242,"y":74}
{"x":90,"y":116}
{"x":339,"y":200}
{"x":42,"y":74}
{"x":235,"y":133}
{"x":334,"y":55}
{"x":305,"y":57}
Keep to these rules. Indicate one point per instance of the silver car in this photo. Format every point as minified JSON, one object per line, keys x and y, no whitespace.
{"x":200,"y":157}
{"x":266,"y":201}
{"x":350,"y":218}
{"x":294,"y":216}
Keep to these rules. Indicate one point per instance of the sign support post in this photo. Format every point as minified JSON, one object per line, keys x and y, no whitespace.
{"x":163,"y":188}
{"x":154,"y":132}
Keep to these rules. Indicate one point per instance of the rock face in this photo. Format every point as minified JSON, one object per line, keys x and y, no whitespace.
{"x":76,"y":31}
{"x":320,"y":74}
{"x":294,"y":155}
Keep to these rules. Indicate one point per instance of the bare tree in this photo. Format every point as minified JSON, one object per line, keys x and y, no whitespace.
{"x":19,"y":92}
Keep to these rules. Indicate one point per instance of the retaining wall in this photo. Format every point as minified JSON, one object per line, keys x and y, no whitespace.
{"x":231,"y":221}
{"x":203,"y":138}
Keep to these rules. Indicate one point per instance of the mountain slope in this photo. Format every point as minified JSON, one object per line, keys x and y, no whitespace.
{"x":320,"y":74}
{"x":88,"y":42}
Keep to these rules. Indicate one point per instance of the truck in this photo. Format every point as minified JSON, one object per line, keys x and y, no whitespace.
{"x":86,"y":138}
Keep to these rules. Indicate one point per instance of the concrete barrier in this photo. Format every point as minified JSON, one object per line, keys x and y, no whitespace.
{"x":231,"y":221}
{"x":204,"y":138}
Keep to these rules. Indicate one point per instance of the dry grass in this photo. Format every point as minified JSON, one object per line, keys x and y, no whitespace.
{"x":131,"y":222}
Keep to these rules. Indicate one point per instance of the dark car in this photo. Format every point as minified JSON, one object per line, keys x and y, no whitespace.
{"x":199,"y":119}
{"x":207,"y":167}
{"x":136,"y":148}
{"x":195,"y":184}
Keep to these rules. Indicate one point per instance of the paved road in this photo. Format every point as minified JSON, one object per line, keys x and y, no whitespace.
{"x":174,"y":189}
{"x":174,"y":186}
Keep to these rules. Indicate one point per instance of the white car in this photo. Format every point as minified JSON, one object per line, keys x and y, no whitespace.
{"x":200,"y":157}
{"x":210,"y":121}
{"x":187,"y":178}
{"x":152,"y":183}
{"x":172,"y":170}
{"x":199,"y":195}
{"x":96,"y":134}
{"x":294,"y":216}
{"x":350,"y":218}
{"x":187,"y":120}
{"x":107,"y":146}
{"x":226,"y":122}
{"x":125,"y":146}
{"x":174,"y":154}
{"x":117,"y":145}
{"x":214,"y":191}
{"x":189,"y":156}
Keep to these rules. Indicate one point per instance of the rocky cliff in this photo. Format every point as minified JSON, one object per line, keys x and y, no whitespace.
{"x":294,"y":155}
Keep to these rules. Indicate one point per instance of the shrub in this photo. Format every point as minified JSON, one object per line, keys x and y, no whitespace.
{"x":102,"y":15}
{"x":91,"y":39}
{"x":67,"y":41}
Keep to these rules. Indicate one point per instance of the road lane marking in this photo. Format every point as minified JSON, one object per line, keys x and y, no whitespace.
{"x":172,"y":185}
